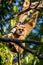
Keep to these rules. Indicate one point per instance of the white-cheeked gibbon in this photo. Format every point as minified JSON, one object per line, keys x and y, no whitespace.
{"x":20,"y":31}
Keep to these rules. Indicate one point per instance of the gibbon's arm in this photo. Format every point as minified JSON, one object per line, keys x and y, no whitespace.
{"x":31,"y":24}
{"x":26,"y":5}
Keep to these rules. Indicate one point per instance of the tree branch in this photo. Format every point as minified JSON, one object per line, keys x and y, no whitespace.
{"x":21,"y":41}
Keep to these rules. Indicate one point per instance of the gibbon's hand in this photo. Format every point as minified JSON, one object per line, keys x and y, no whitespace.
{"x":26,"y":5}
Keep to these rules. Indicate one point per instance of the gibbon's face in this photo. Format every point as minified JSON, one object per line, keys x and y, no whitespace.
{"x":20,"y":30}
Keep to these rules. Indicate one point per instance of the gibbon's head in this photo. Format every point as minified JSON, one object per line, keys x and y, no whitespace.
{"x":20,"y":30}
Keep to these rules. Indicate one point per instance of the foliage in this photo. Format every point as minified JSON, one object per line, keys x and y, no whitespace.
{"x":15,"y":9}
{"x":13,"y":22}
{"x":4,"y":55}
{"x":7,"y":9}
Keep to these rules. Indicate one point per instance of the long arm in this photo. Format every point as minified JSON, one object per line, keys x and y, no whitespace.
{"x":26,"y":5}
{"x":31,"y":24}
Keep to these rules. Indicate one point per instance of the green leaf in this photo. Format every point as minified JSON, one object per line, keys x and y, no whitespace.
{"x":4,"y":55}
{"x":27,"y":18}
{"x":4,"y":29}
{"x":26,"y":59}
{"x":15,"y":9}
{"x":36,"y":61}
{"x":13,"y":22}
{"x":29,"y":59}
{"x":41,"y":39}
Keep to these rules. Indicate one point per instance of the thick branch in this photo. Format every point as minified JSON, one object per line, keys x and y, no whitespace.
{"x":20,"y":41}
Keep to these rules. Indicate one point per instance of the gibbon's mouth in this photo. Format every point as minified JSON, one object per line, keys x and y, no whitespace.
{"x":21,"y":33}
{"x":16,"y":35}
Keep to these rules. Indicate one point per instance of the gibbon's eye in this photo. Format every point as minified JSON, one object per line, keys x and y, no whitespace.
{"x":21,"y":29}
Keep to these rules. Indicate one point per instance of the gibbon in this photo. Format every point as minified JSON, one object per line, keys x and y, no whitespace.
{"x":20,"y":31}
